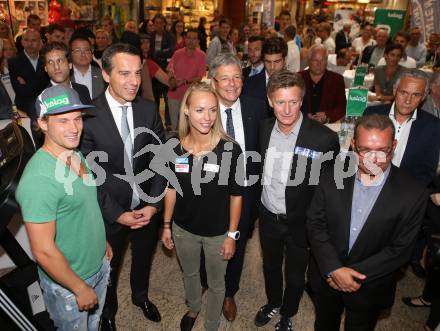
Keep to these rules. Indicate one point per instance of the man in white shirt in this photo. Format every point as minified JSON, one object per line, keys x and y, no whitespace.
{"x":240,"y":117}
{"x":402,"y":38}
{"x":415,"y":48}
{"x":364,"y":40}
{"x":293,"y":56}
{"x":324,"y":31}
{"x":83,"y":72}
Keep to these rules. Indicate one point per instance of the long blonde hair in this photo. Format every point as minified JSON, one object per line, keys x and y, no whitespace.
{"x":217,"y":132}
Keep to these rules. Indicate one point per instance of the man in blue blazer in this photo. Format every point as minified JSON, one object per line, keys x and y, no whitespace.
{"x":274,"y":57}
{"x":417,"y":132}
{"x":241,"y":117}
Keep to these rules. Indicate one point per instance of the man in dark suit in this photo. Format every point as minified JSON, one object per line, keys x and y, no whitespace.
{"x":129,"y":208}
{"x":255,"y":48}
{"x":342,"y":38}
{"x":83,"y":72}
{"x":362,"y":229}
{"x":293,"y":150}
{"x":28,"y":77}
{"x":274,"y":57}
{"x":325,"y":90}
{"x":241,"y":117}
{"x":162,"y":48}
{"x":417,"y":132}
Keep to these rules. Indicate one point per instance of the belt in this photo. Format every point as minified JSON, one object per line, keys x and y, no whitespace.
{"x":276,"y":217}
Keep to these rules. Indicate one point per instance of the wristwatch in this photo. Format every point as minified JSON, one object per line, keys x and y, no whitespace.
{"x":234,"y":235}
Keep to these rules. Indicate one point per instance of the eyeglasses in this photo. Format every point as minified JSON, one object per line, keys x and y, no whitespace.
{"x":224,"y":80}
{"x":369,"y":152}
{"x":82,"y":50}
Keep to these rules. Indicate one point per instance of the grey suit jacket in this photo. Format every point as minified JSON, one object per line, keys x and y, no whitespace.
{"x":98,"y":84}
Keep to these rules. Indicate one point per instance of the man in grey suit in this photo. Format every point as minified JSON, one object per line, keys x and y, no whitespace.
{"x":83,"y":72}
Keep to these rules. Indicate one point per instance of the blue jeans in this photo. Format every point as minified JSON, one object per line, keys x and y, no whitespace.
{"x":63,"y":308}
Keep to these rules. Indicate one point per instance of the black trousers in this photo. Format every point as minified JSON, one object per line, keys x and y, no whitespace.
{"x":161,"y":90}
{"x":278,"y":246}
{"x":328,"y":311}
{"x":143,"y":244}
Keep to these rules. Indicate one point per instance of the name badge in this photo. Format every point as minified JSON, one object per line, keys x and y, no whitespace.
{"x":181,"y":160}
{"x":211,"y":167}
{"x":179,"y":167}
{"x":307,"y":152}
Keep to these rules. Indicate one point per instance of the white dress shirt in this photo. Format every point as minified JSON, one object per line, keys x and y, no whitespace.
{"x":116,"y":110}
{"x":293,"y":57}
{"x":237,"y":121}
{"x":33,"y":61}
{"x":402,"y":135}
{"x":85,"y":79}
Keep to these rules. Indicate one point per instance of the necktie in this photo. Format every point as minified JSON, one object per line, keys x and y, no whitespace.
{"x":229,"y":124}
{"x":128,"y":147}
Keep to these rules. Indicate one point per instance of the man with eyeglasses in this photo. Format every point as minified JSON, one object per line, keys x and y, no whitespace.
{"x":274,"y":57}
{"x":83,"y":72}
{"x":55,"y":56}
{"x":417,"y":132}
{"x":241,"y":117}
{"x":362,"y":229}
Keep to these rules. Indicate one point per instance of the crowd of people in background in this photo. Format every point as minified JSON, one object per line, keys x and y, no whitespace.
{"x":219,"y":87}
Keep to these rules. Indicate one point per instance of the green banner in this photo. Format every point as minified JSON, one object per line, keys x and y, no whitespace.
{"x":356,"y":101}
{"x":391,"y":19}
{"x":359,"y":76}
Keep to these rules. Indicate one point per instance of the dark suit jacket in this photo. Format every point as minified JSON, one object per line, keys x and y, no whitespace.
{"x":168,"y":45}
{"x":83,"y":93}
{"x":36,"y":81}
{"x":313,"y":136}
{"x":333,"y":101}
{"x":246,"y":71}
{"x":384,"y":244}
{"x":252,"y":112}
{"x":100,"y":133}
{"x":98,"y":83}
{"x":255,"y":87}
{"x":341,"y":41}
{"x":422,"y":150}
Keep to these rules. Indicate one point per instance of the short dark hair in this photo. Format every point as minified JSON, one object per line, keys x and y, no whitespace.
{"x":275,"y":45}
{"x":285,"y":13}
{"x":159,"y":16}
{"x":112,"y":50}
{"x":193,"y":30}
{"x":290,"y":31}
{"x":253,"y":39}
{"x":78,"y":36}
{"x":32,"y":17}
{"x":285,"y":79}
{"x":391,"y":47}
{"x":403,"y":34}
{"x":54,"y":27}
{"x":54,"y":46}
{"x":342,"y":53}
{"x":224,"y":20}
{"x":374,"y":121}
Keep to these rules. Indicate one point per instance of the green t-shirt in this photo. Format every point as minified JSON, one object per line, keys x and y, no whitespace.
{"x":72,"y":203}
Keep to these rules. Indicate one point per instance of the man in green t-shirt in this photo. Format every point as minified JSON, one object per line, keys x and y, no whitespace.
{"x":58,"y":200}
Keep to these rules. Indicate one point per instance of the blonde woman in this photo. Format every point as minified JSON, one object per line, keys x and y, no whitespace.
{"x":203,"y":215}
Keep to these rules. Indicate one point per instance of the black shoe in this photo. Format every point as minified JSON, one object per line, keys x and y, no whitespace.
{"x":150,"y":311}
{"x":108,"y":324}
{"x":187,"y":322}
{"x":265,"y":314}
{"x":284,"y":324}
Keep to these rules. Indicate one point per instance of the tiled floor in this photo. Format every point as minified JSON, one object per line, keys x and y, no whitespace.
{"x":167,"y":293}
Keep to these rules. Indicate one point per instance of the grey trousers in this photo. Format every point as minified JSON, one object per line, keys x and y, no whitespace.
{"x":188,"y":248}
{"x":174,"y":106}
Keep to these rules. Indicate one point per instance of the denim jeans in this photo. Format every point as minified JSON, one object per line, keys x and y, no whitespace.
{"x":63,"y":309}
{"x":188,"y":248}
